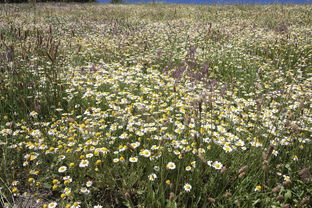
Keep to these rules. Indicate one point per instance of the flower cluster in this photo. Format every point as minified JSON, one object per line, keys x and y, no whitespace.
{"x":147,"y":114}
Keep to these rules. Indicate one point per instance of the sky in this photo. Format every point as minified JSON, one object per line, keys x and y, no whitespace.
{"x":216,"y":1}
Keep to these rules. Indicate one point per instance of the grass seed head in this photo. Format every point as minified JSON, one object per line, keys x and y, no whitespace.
{"x":265,"y":165}
{"x":280,"y":198}
{"x":266,"y":155}
{"x":305,"y":174}
{"x":279,"y":166}
{"x":223,"y":170}
{"x":243,"y":169}
{"x":201,"y":159}
{"x":276,"y":189}
{"x":211,"y":200}
{"x":127,"y":196}
{"x":172,"y":196}
{"x":242,"y":175}
{"x":305,"y":201}
{"x":237,"y":203}
{"x":227,"y":194}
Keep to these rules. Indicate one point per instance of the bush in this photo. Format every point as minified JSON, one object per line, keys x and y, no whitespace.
{"x":116,"y":1}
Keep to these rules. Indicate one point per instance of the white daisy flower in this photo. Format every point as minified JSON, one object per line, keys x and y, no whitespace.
{"x":84,"y":163}
{"x":76,"y":205}
{"x":188,"y":168}
{"x":217,"y":165}
{"x":133,"y":159}
{"x":145,"y":153}
{"x":152,"y":177}
{"x":84,"y":190}
{"x":171,"y":166}
{"x":89,"y":183}
{"x":52,"y":205}
{"x":187,"y":187}
{"x":62,"y":169}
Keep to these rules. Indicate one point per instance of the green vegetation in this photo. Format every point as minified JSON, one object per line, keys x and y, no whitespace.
{"x":155,"y":106}
{"x":39,"y":1}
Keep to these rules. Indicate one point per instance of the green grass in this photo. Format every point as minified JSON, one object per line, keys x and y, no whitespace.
{"x":223,"y":92}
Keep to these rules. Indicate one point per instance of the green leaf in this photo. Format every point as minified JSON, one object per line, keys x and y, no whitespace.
{"x":171,"y":204}
{"x":127,"y":203}
{"x":288,"y":194}
{"x":256,"y":202}
{"x":288,"y":167}
{"x":47,"y":186}
{"x":132,"y":179}
{"x":140,"y":192}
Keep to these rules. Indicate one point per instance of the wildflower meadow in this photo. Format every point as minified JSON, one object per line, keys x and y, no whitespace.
{"x":155,"y":106}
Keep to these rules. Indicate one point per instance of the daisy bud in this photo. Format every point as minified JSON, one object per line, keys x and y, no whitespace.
{"x":31,"y":180}
{"x":98,"y":162}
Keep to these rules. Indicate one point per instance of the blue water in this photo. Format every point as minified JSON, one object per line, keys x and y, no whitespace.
{"x":217,"y":1}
